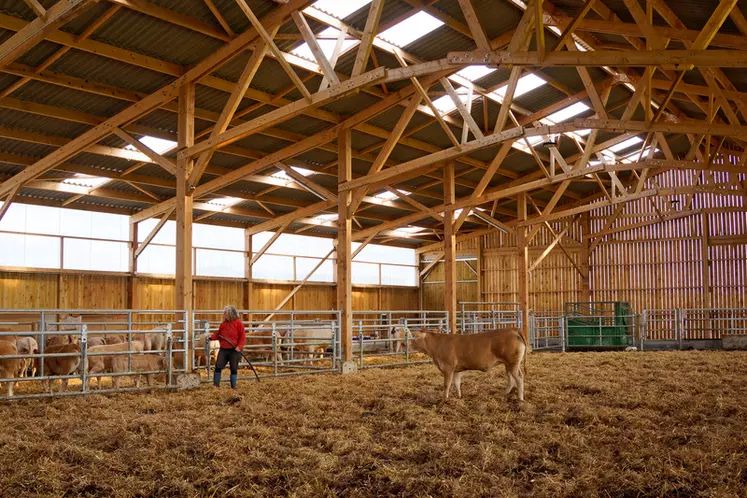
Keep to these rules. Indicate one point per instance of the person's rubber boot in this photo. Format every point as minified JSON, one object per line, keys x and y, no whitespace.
{"x":216,"y":378}
{"x":234,"y":378}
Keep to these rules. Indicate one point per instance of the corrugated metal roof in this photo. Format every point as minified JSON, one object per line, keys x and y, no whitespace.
{"x":53,"y":127}
{"x":141,"y":33}
{"x":65,"y":98}
{"x":104,"y":70}
{"x":495,"y":17}
{"x":24,"y":148}
{"x":150,"y":36}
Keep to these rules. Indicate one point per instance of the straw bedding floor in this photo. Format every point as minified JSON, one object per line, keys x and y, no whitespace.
{"x":594,"y":424}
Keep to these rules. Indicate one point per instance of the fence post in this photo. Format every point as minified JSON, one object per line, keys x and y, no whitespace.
{"x":563,"y":335}
{"x":532,"y":333}
{"x":84,"y":358}
{"x":643,"y":328}
{"x":186,"y":340}
{"x":274,"y":350}
{"x":335,"y":339}
{"x":360,"y":341}
{"x":207,"y":349}
{"x":681,"y":326}
{"x":169,"y":354}
{"x":42,"y":342}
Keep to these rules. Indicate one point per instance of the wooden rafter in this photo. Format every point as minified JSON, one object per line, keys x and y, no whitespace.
{"x":369,"y":33}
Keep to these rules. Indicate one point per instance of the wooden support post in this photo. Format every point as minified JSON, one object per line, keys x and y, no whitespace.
{"x":131,"y":268}
{"x":450,"y":297}
{"x":247,"y":296}
{"x":344,"y":246}
{"x":522,"y":263}
{"x":186,"y":137}
{"x":583,"y":287}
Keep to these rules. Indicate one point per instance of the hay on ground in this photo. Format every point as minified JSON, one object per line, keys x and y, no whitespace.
{"x":594,"y":424}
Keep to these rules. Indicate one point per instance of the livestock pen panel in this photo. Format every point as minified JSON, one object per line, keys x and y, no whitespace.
{"x":474,"y":317}
{"x":40,"y":347}
{"x":278,"y":343}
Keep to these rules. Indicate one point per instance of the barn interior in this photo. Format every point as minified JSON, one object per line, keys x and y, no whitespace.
{"x":344,"y":173}
{"x":535,"y":153}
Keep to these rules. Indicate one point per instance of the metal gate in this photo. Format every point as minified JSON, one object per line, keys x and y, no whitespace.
{"x":279,"y":343}
{"x":474,"y":317}
{"x":382,"y":338}
{"x":547,"y":330}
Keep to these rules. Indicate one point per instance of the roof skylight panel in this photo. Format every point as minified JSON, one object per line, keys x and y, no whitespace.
{"x":473,"y":73}
{"x":625,"y":144}
{"x":411,"y":29}
{"x":326,"y":43}
{"x":445,"y":104}
{"x":340,"y":8}
{"x":284,"y":176}
{"x":566,"y":113}
{"x":525,"y":85}
{"x":224,"y":202}
{"x":386,"y":195}
{"x":158,"y":145}
{"x":87,"y":181}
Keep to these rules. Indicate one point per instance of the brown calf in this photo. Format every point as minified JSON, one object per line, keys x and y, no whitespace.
{"x":455,"y":353}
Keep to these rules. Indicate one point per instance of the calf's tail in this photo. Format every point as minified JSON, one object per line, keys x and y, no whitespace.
{"x":526,"y":350}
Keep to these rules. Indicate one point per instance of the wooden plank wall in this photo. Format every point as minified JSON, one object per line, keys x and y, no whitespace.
{"x":659,"y":266}
{"x":20,"y":290}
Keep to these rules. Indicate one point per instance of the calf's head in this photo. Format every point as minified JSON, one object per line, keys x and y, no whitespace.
{"x":418,"y":341}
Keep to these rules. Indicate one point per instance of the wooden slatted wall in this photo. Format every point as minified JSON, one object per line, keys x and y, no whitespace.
{"x":658,"y":266}
{"x":20,"y":290}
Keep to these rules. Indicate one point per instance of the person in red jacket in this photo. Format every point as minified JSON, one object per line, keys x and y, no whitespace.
{"x":232,"y":337}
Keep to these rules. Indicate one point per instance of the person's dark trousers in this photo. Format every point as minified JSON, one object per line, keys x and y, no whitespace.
{"x":227,"y":356}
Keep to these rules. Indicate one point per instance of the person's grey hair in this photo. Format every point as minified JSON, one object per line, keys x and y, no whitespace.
{"x":230,"y":313}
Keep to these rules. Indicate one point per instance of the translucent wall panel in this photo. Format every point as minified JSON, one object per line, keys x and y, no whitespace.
{"x":270,"y":267}
{"x":95,"y":255}
{"x":210,"y":263}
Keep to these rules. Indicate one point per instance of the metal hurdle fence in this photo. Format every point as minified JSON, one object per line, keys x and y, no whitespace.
{"x":547,"y":331}
{"x":78,"y":339}
{"x":279,"y":343}
{"x":382,"y":338}
{"x":474,"y":317}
